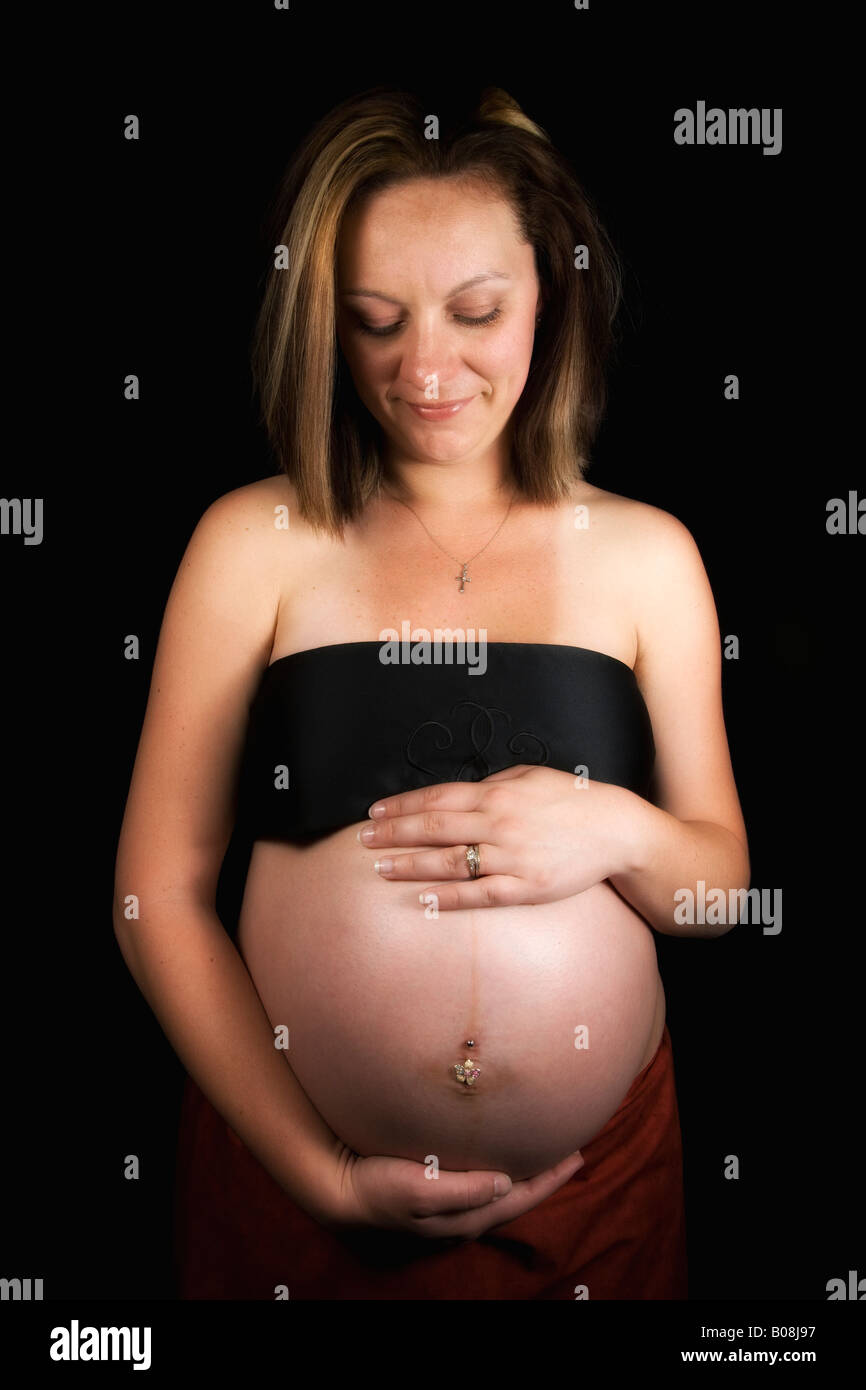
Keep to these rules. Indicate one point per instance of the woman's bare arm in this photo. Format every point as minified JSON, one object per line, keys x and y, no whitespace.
{"x":692,"y":830}
{"x":200,"y":990}
{"x":215,"y":639}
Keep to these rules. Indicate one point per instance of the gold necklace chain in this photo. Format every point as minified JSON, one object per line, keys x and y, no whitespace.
{"x":464,"y":577}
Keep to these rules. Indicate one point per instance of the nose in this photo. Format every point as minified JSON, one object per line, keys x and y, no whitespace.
{"x":427,"y":360}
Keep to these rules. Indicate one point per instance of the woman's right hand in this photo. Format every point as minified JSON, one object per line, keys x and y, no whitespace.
{"x":397,"y":1194}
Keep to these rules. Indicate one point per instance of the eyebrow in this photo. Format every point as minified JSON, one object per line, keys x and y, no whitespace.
{"x":466,"y":285}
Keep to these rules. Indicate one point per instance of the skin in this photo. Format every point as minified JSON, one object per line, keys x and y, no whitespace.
{"x":445,"y":225}
{"x":610,"y":859}
{"x":414,"y":244}
{"x":324,"y":941}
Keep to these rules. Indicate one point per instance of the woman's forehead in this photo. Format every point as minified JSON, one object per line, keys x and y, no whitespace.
{"x":404,"y":227}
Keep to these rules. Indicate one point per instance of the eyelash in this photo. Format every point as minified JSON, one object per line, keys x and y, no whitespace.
{"x":467,"y":323}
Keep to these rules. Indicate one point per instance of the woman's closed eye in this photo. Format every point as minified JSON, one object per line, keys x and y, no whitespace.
{"x":463,"y":319}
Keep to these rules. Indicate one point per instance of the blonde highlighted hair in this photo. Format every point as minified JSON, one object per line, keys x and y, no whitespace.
{"x":324,"y":438}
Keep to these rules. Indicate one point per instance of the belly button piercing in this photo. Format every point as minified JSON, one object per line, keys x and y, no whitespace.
{"x":465,"y":1072}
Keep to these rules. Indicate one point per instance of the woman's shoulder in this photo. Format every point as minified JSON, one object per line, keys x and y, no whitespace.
{"x":258,"y":530}
{"x":624,"y":521}
{"x":642,"y":551}
{"x":259,"y":498}
{"x":650,"y":559}
{"x":268,"y":508}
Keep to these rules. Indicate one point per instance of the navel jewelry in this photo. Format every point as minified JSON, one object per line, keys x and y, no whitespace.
{"x":464,"y":577}
{"x":473,"y":860}
{"x":466,"y":1073}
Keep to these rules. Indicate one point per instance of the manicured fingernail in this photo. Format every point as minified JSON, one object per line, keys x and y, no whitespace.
{"x":367,"y":834}
{"x":378,"y":809}
{"x":501,"y":1186}
{"x":383,"y":866}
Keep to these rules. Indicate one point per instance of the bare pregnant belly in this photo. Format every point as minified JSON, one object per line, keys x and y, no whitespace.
{"x":563,"y":1000}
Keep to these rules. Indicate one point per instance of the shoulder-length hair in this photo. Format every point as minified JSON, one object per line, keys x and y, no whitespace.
{"x":325,"y":440}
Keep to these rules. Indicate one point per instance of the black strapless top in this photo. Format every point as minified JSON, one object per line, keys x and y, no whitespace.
{"x":332,"y":729}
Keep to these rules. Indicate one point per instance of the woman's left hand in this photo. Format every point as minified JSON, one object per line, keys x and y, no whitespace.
{"x":542,"y":835}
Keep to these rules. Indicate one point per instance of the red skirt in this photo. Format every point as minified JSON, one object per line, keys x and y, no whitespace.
{"x":614,"y":1230}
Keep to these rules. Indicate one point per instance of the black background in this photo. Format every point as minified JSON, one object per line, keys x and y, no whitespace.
{"x":148,"y":257}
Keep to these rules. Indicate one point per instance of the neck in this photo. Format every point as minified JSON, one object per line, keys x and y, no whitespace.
{"x":454,"y":487}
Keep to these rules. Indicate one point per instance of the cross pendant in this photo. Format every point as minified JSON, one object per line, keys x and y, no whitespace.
{"x":464,"y":578}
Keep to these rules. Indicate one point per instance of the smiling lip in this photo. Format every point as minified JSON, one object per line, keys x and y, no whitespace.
{"x":443,"y":410}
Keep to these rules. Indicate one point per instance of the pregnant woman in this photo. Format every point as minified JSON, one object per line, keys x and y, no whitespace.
{"x":464,"y":710}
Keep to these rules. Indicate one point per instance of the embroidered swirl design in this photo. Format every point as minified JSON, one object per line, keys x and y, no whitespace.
{"x":480,"y":735}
